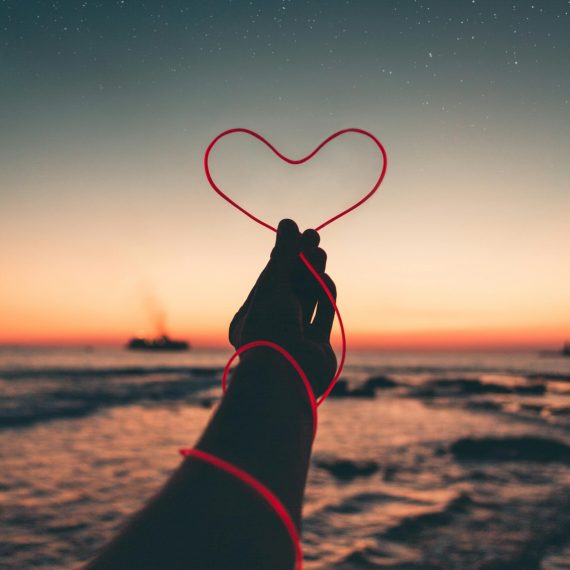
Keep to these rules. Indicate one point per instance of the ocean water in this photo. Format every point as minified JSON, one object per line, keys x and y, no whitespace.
{"x":444,"y":461}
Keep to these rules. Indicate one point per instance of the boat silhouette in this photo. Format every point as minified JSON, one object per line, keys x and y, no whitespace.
{"x":163,"y":342}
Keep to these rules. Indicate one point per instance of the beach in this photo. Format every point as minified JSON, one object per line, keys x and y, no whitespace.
{"x":423,"y":460}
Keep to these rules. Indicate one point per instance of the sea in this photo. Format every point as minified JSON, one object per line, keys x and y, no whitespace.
{"x":421,"y":461}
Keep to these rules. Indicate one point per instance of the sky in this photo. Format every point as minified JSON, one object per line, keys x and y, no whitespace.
{"x":108,"y":225}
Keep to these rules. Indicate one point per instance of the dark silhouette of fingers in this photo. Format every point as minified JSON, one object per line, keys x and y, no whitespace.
{"x":317,"y":257}
{"x":276,"y":277}
{"x":322,"y":323}
{"x":287,"y":242}
{"x":235,"y":326}
{"x":309,"y":240}
{"x":305,"y":285}
{"x":237,"y":321}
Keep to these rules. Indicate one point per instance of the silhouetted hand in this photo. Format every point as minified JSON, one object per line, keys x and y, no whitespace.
{"x":289,"y":307}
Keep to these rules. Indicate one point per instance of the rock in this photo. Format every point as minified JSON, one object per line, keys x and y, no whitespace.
{"x":532,"y":390}
{"x":362,"y":392}
{"x":346,"y":470}
{"x":380,"y":382}
{"x":444,"y":387}
{"x":469,"y":386}
{"x":341,"y":390}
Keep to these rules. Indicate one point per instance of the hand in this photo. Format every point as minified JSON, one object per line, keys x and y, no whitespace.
{"x":289,"y":307}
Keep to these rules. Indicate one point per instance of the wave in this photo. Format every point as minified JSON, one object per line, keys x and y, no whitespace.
{"x":409,"y":527}
{"x":347,"y":470}
{"x":392,"y":548}
{"x":521,"y":372}
{"x":522,"y":448}
{"x":549,"y":376}
{"x":451,"y":538}
{"x":75,"y":402}
{"x":444,"y":387}
{"x":73,"y":373}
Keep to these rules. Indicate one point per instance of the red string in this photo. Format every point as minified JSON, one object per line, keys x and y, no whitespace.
{"x":247,"y":479}
{"x":295,"y":161}
{"x":340,"y":323}
{"x":260,"y":489}
{"x":288,"y":356}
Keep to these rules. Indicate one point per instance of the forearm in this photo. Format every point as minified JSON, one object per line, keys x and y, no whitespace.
{"x":263,"y":426}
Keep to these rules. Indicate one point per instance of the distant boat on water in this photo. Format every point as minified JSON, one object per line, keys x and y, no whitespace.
{"x":566,"y":349}
{"x":163,"y":342}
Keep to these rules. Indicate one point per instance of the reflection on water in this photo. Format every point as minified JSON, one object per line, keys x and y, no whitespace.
{"x":87,"y":436}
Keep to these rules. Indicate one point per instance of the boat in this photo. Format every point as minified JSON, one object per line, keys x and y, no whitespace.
{"x":164,"y":343}
{"x":566,"y":349}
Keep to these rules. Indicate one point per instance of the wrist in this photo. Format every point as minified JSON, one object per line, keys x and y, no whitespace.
{"x":267,"y":380}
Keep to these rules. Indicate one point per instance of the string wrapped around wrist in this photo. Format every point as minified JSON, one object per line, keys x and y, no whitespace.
{"x":259,"y":488}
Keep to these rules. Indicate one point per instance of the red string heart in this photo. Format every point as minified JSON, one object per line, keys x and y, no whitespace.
{"x":295,"y":162}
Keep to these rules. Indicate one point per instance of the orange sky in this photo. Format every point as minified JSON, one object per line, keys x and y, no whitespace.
{"x":461,"y":261}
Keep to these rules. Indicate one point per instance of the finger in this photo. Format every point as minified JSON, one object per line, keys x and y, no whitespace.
{"x":237,"y":321}
{"x":309,"y":240}
{"x":287,"y":242}
{"x":274,"y":275}
{"x":317,"y":257}
{"x":277,"y":274}
{"x":305,"y":285}
{"x":322,"y":323}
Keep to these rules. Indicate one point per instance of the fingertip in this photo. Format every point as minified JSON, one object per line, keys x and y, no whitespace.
{"x":310,"y":239}
{"x":287,"y":240}
{"x":287,"y":228}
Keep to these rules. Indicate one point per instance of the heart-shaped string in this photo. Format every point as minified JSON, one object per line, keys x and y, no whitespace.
{"x":295,"y":162}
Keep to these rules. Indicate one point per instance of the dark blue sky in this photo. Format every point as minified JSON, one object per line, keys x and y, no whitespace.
{"x":122,"y":56}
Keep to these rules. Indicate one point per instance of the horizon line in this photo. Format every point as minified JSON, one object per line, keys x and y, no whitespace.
{"x":360,"y":347}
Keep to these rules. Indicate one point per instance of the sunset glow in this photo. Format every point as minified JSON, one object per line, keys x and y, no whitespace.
{"x":104,"y":202}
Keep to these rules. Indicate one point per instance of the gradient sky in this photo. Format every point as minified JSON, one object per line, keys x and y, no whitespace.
{"x":106,"y":217}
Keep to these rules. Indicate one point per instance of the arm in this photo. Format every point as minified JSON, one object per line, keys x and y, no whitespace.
{"x":204,"y":518}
